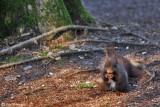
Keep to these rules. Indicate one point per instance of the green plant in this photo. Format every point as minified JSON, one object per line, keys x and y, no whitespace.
{"x":85,"y":85}
{"x":59,"y":47}
{"x":43,"y":54}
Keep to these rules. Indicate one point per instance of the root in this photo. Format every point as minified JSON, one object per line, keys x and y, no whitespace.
{"x":55,"y":31}
{"x":105,"y":41}
{"x":137,"y":35}
{"x":54,"y":55}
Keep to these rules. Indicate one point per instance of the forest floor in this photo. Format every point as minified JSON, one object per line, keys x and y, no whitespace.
{"x":54,"y":82}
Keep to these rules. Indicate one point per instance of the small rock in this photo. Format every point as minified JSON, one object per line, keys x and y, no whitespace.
{"x":72,"y":46}
{"x":10,"y":78}
{"x":18,"y":76}
{"x":27,"y":67}
{"x":51,"y":73}
{"x":135,"y":85}
{"x":12,"y":97}
{"x":70,"y":61}
{"x":79,"y":49}
{"x":87,"y":82}
{"x":60,"y":79}
{"x":106,"y":28}
{"x":81,"y":57}
{"x":142,"y":41}
{"x":114,"y":28}
{"x":64,"y":70}
{"x":58,"y":58}
{"x":144,"y":53}
{"x":20,"y":83}
{"x":50,"y":54}
{"x":119,"y":102}
{"x":127,"y":47}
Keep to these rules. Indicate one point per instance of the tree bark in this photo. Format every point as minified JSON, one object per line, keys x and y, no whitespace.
{"x":21,"y":16}
{"x":78,"y":13}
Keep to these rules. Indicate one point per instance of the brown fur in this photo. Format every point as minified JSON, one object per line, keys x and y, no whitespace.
{"x":131,"y":69}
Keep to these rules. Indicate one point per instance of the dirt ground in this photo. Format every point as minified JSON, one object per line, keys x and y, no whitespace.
{"x":50,"y":83}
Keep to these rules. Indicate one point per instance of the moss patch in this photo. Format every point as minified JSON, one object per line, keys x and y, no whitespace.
{"x":85,"y":85}
{"x":78,"y":13}
{"x":14,"y":59}
{"x":43,"y":54}
{"x":18,"y":16}
{"x":57,"y":13}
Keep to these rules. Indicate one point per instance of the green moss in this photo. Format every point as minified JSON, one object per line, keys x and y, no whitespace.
{"x":60,"y":16}
{"x":59,"y":47}
{"x":43,"y":54}
{"x":16,"y":14}
{"x":78,"y":12}
{"x":14,"y":59}
{"x":85,"y":85}
{"x":19,"y":16}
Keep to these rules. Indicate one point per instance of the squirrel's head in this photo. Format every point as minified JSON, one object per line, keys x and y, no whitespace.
{"x":111,"y":62}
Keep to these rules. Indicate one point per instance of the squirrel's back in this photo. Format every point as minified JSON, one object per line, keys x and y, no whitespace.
{"x":132,"y":70}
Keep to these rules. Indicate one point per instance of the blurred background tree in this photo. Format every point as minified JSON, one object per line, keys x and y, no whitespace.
{"x":21,"y":16}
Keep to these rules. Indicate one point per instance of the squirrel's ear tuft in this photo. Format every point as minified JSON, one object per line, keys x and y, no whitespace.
{"x":113,"y":49}
{"x":107,"y":52}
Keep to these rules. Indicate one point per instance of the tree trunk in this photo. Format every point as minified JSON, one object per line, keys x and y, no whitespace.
{"x":78,"y":13}
{"x":21,"y":16}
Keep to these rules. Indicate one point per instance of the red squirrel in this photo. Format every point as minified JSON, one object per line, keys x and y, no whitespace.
{"x":115,"y":71}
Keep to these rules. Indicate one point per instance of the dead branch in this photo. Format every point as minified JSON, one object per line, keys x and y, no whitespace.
{"x":76,"y":72}
{"x":105,"y":41}
{"x":22,"y":62}
{"x":55,"y":31}
{"x":150,"y":74}
{"x":51,"y":56}
{"x":34,"y":90}
{"x":137,"y":35}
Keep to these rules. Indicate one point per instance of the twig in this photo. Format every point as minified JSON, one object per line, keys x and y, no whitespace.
{"x":137,"y":35}
{"x":105,"y":41}
{"x":150,"y":74}
{"x":76,"y":72}
{"x":34,"y":90}
{"x":35,"y":39}
{"x":51,"y":56}
{"x":22,"y":62}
